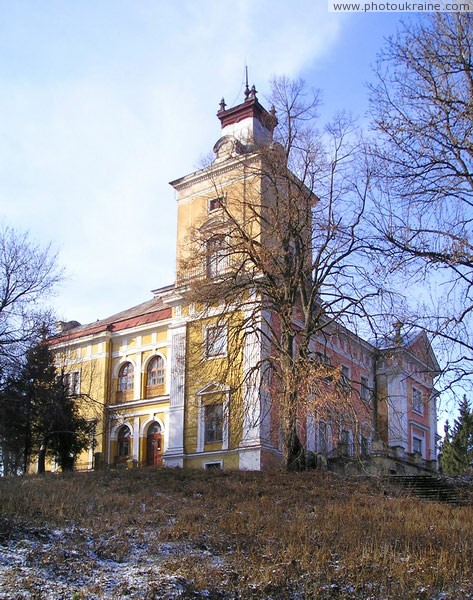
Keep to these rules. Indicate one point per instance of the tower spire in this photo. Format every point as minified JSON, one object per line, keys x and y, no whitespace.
{"x":247,"y":89}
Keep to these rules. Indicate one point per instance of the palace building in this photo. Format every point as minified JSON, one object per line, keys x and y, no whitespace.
{"x":166,"y":383}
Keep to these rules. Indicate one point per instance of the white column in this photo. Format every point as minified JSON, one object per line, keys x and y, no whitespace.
{"x":136,"y":438}
{"x":200,"y":425}
{"x":137,"y":377}
{"x":251,"y":434}
{"x":256,"y":400}
{"x":432,"y":404}
{"x":174,"y":455}
{"x":397,"y":410}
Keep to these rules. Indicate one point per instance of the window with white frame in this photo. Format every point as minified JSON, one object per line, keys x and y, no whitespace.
{"x":124,"y":441}
{"x":213,"y":423}
{"x":323,"y":438}
{"x":216,"y":465}
{"x":417,"y":403}
{"x":155,"y":372}
{"x":125,"y":378}
{"x":324,"y":361}
{"x":364,"y":445}
{"x":72,"y":382}
{"x":345,"y":379}
{"x":216,"y":203}
{"x":215,"y":341}
{"x":346,"y":442}
{"x":364,"y":389}
{"x":417,"y":445}
{"x":216,"y":255}
{"x":213,"y":416}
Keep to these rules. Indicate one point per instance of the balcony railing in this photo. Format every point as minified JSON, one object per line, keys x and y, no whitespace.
{"x":344,"y":449}
{"x":155,"y":390}
{"x":122,"y":397}
{"x":394,"y":453}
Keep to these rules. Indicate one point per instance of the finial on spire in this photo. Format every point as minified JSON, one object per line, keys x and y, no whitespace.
{"x":247,"y":89}
{"x":222,"y":104}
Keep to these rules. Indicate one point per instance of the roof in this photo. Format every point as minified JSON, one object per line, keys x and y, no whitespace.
{"x":415,"y":342}
{"x":152,"y":311}
{"x":386,"y":342}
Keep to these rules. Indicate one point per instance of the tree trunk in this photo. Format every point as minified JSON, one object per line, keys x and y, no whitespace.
{"x":26,"y":459}
{"x":42,"y":458}
{"x":293,"y":450}
{"x":295,"y":459}
{"x":28,"y":444}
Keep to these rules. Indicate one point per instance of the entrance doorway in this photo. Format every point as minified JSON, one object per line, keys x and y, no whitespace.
{"x":123,"y":444}
{"x":154,"y":452}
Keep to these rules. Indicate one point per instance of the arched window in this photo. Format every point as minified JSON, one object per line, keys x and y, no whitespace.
{"x":156,"y":371}
{"x":124,"y":436}
{"x":125,"y":378}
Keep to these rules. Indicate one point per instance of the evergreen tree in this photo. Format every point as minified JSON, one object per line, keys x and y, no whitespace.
{"x":15,"y":440}
{"x":40,"y":416}
{"x":457,"y":448}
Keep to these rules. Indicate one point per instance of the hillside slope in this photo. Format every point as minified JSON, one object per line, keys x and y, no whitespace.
{"x":156,"y":533}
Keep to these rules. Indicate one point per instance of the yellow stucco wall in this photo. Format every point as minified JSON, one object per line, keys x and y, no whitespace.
{"x":226,"y":372}
{"x":229,"y":460}
{"x":240,"y":187}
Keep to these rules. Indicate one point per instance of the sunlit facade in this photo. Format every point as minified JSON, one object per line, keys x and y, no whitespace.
{"x":151,"y":376}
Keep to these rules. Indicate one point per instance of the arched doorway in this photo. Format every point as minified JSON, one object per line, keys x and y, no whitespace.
{"x":154,"y":451}
{"x":123,"y":444}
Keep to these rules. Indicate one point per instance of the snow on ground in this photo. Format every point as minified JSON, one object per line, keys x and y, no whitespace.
{"x":54,"y":565}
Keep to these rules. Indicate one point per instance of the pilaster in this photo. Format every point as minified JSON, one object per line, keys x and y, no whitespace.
{"x":174,"y":455}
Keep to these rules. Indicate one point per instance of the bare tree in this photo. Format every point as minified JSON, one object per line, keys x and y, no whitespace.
{"x":29,"y":274}
{"x":422,"y":110}
{"x":288,"y":259}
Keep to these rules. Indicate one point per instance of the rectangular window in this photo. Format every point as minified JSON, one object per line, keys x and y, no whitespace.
{"x":417,"y":404}
{"x":345,"y":380}
{"x":417,"y":445}
{"x":213,"y":466}
{"x":216,"y":256}
{"x":324,"y":361}
{"x":75,"y":382}
{"x":323,"y":438}
{"x":346,"y":443}
{"x":124,"y":448}
{"x":213,"y":423}
{"x":215,"y":341}
{"x":364,"y":389}
{"x":215,"y":203}
{"x":72,"y":383}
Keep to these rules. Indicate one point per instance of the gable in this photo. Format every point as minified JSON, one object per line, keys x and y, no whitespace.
{"x":421,"y":348}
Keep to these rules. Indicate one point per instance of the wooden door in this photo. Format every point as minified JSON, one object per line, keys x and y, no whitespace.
{"x":154,"y":456}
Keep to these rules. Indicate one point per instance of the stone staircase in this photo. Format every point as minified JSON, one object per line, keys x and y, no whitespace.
{"x":429,"y":488}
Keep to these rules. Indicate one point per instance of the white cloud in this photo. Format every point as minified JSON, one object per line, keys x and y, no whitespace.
{"x":88,"y":145}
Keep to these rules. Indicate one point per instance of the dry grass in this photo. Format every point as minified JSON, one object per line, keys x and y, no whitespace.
{"x":243,"y":535}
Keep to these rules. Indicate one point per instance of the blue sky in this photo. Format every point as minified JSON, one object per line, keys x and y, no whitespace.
{"x":103,"y":102}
